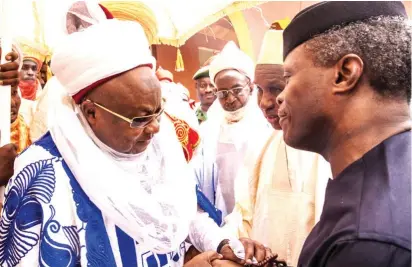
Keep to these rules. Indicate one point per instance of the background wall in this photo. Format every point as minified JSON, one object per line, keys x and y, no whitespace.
{"x":218,"y":34}
{"x":214,"y":38}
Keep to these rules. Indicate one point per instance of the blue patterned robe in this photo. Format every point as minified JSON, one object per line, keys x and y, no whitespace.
{"x":48,"y":220}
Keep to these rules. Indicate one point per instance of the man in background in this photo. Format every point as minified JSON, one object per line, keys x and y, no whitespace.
{"x":204,"y":89}
{"x":236,"y":127}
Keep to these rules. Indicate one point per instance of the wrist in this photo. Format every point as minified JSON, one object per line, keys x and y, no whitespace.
{"x":222,"y":244}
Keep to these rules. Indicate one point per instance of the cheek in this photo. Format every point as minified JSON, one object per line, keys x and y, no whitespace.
{"x":243,"y":99}
{"x":259,"y":99}
{"x":201,"y":92}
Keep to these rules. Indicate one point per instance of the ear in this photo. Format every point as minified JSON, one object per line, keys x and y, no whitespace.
{"x":348,"y":71}
{"x":89,"y":111}
{"x":252,"y":87}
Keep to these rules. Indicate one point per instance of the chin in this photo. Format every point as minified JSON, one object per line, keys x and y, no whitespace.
{"x":231,"y":109}
{"x":299,"y":142}
{"x":276,"y":126}
{"x":140,"y":147}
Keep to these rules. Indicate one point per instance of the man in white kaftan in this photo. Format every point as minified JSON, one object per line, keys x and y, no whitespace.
{"x":235,"y":126}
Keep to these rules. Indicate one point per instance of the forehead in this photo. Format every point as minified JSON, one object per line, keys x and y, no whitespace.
{"x":133,"y":89}
{"x":268,"y":73}
{"x":203,"y":80}
{"x":298,"y":58}
{"x":29,"y":62}
{"x":229,"y":78}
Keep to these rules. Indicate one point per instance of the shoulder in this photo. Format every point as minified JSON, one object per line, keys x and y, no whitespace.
{"x":42,"y":150}
{"x":367,"y":253}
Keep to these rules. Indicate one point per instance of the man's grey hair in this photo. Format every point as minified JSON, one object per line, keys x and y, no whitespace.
{"x":384,"y":45}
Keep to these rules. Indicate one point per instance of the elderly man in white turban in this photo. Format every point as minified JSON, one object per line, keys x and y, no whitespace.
{"x":106,"y":186}
{"x":234,"y":127}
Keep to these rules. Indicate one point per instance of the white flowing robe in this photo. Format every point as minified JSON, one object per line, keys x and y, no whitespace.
{"x":282,"y":199}
{"x":222,"y":152}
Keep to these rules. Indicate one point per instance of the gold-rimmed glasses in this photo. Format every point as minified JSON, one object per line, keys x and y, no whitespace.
{"x":136,"y":122}
{"x":237,"y":91}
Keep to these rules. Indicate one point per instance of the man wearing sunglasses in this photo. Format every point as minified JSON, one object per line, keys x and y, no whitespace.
{"x":105,"y":186}
{"x":235,"y":126}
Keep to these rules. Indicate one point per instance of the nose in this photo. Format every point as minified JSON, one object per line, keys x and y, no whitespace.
{"x":267,"y":101}
{"x":153,"y":127}
{"x":30,"y":72}
{"x":281,"y":98}
{"x":230,"y":98}
{"x":209,"y":89}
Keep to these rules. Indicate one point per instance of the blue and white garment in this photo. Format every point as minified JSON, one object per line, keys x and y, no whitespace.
{"x":40,"y":227}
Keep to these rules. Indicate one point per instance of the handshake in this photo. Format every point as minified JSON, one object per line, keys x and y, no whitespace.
{"x":255,"y":254}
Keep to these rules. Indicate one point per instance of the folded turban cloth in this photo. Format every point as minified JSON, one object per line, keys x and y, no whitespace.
{"x":232,"y":58}
{"x":320,"y":17}
{"x":271,"y":51}
{"x":88,"y":58}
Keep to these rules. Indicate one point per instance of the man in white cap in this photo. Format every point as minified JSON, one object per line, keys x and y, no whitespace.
{"x":104,"y":187}
{"x":97,"y":189}
{"x":283,"y":197}
{"x":235,"y":125}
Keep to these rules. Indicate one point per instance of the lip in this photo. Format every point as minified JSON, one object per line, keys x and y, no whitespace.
{"x":282,"y":116}
{"x":146,"y":141}
{"x":272,"y":118}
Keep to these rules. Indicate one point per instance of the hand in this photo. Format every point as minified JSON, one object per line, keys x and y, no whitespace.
{"x":252,"y":249}
{"x":9,"y":74}
{"x":204,"y":260}
{"x":191,"y":253}
{"x":8,"y":153}
{"x":225,"y":263}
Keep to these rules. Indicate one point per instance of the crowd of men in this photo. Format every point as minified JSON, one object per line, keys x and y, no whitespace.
{"x":302,"y":159}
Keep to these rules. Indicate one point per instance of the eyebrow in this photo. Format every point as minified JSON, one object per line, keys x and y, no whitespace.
{"x":147,"y":110}
{"x":239,"y":85}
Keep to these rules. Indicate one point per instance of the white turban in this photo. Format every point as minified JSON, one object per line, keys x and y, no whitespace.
{"x":271,"y":51}
{"x":87,"y":58}
{"x":232,"y":57}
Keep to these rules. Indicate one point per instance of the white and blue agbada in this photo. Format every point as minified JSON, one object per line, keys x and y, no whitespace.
{"x":73,"y":201}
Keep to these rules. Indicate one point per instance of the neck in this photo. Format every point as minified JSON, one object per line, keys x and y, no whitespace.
{"x":204,"y":107}
{"x":348,"y":144}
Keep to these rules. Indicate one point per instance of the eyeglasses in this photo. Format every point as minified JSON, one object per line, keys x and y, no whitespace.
{"x":136,"y":122}
{"x":238,"y":91}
